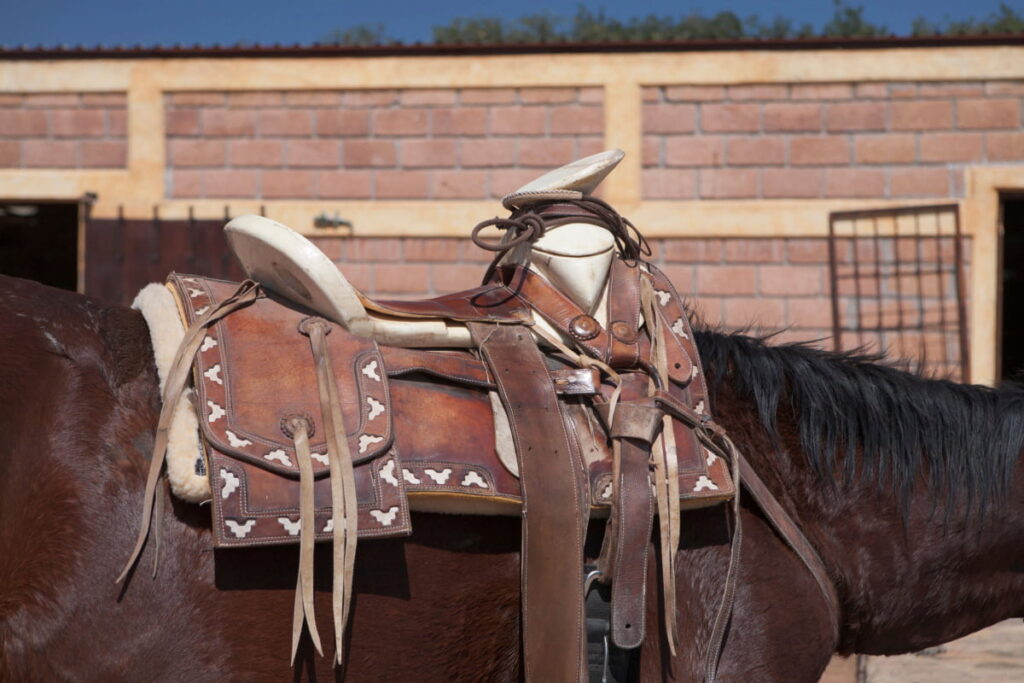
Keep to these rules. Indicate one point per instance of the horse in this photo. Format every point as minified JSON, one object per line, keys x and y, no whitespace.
{"x":907,"y":486}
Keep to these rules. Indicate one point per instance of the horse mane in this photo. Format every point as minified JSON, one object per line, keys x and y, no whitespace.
{"x":860,"y":418}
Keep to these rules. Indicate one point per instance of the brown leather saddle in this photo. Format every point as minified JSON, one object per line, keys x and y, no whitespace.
{"x":404,"y":409}
{"x":311,"y":433}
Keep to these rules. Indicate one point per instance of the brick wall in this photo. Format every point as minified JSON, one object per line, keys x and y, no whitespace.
{"x":872,"y":140}
{"x":63,"y":130}
{"x":384,"y":144}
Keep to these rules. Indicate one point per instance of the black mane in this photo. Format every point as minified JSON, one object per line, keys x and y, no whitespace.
{"x":876,"y":421}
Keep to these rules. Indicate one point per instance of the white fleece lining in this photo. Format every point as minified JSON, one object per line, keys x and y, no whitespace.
{"x":157,"y":304}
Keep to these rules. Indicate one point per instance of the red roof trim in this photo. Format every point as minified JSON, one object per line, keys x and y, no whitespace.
{"x":418,"y":50}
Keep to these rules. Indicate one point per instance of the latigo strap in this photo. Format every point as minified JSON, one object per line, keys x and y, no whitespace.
{"x":554,"y":505}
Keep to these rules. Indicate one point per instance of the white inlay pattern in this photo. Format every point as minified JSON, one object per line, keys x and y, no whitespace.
{"x":387,"y":473}
{"x":190,"y":279}
{"x":231,"y":483}
{"x":366,"y":439}
{"x":694,"y":372}
{"x":208,"y":343}
{"x":376,"y":407}
{"x":193,"y":293}
{"x":385,"y":518}
{"x":291,"y":527}
{"x":370,"y":370}
{"x":699,"y":408}
{"x":329,"y":527}
{"x":711,"y":458}
{"x":240,"y":530}
{"x":204,"y":309}
{"x":320,"y":458}
{"x":235,"y":441}
{"x":213,"y":374}
{"x":663,"y":296}
{"x":216,"y":412}
{"x":474,"y":479}
{"x":439,"y":477}
{"x":679,"y":329}
{"x":280,"y":456}
{"x":410,"y":477}
{"x":606,"y":492}
{"x":704,"y":483}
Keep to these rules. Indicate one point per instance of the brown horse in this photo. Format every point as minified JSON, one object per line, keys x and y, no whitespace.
{"x":907,"y":487}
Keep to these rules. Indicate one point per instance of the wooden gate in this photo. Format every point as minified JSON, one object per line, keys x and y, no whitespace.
{"x":123,"y":255}
{"x":898,"y":286}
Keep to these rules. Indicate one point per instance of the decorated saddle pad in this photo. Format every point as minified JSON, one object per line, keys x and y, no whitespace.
{"x":252,"y":373}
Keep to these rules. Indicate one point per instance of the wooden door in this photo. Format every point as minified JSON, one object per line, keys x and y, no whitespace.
{"x":123,"y":255}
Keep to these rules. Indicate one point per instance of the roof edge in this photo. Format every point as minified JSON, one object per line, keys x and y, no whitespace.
{"x":423,"y":50}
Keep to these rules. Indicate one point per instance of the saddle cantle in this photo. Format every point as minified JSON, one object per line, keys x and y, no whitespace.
{"x":326,"y":415}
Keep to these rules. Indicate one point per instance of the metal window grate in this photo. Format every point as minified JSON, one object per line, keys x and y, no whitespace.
{"x":897,"y":279}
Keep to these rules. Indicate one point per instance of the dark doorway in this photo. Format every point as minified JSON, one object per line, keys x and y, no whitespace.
{"x":1012,"y":352}
{"x":39,"y":241}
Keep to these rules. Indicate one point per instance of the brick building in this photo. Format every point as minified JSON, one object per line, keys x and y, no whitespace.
{"x":737,"y":157}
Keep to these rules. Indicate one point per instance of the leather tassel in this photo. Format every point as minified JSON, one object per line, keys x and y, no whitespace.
{"x":717,"y":638}
{"x":673,"y":523}
{"x":303,"y":612}
{"x":177,"y":379}
{"x":666,"y":470}
{"x":344,"y":505}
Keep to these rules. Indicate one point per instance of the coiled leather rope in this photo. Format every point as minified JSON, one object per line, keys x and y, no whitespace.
{"x":528,"y":223}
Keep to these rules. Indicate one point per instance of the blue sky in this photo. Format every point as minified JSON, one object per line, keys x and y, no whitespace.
{"x":147,"y":22}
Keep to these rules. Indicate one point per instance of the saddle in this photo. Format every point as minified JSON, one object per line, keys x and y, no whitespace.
{"x":317,"y":427}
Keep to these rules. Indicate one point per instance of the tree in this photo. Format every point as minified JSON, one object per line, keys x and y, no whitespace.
{"x":361,"y":35}
{"x":848,"y":22}
{"x":1005,"y":21}
{"x":588,"y":26}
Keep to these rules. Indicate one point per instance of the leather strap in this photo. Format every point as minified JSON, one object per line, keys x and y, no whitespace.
{"x":177,"y":379}
{"x":344,"y":506}
{"x":624,"y":553}
{"x":554,"y":505}
{"x":712,"y":436}
{"x":623,"y":314}
{"x":716,"y":641}
{"x":665,"y":458}
{"x":555,"y":307}
{"x":303,"y":611}
{"x":633,"y":517}
{"x":793,"y":537}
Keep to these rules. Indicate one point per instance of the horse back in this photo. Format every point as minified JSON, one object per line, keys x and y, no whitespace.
{"x":78,"y":404}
